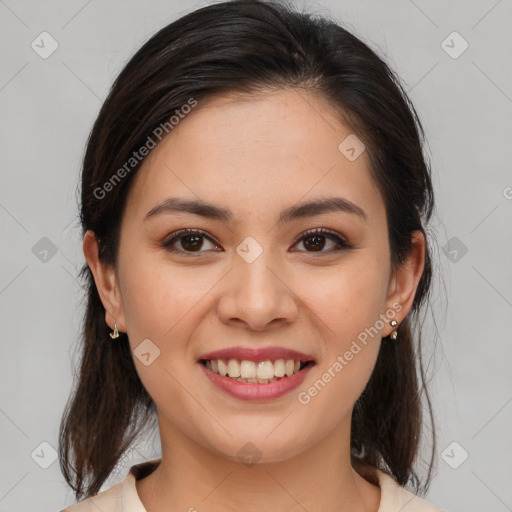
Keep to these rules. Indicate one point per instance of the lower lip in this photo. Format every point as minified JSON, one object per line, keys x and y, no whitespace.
{"x":253,"y":391}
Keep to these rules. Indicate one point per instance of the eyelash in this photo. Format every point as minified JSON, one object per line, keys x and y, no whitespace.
{"x":327,"y":233}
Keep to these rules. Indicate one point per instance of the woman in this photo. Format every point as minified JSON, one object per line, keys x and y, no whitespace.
{"x":254,"y":203}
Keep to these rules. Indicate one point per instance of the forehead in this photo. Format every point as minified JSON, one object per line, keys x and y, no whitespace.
{"x":255,"y":153}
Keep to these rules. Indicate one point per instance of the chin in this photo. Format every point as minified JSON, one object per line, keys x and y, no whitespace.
{"x":252,"y":447}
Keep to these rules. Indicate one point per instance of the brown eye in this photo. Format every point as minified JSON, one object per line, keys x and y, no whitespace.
{"x":187,"y":241}
{"x":190,"y":241}
{"x":315,"y":240}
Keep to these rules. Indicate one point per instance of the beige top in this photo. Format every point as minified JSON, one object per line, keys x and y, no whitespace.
{"x":123,"y":496}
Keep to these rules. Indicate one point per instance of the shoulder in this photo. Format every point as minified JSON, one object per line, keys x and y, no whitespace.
{"x":394,"y":497}
{"x":121,"y":497}
{"x":106,"y":501}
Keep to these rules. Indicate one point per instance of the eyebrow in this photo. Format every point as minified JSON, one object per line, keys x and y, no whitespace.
{"x":210,"y":211}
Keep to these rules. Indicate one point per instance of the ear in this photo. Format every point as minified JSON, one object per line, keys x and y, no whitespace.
{"x":106,"y":283}
{"x":404,"y":280}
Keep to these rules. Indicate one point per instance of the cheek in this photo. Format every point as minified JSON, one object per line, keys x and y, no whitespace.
{"x":347,"y":298}
{"x":158,"y":302}
{"x":347,"y":303}
{"x":163,"y":303}
{"x":157,"y":298}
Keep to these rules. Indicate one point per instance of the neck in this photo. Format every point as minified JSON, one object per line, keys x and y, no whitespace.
{"x":191,"y":477}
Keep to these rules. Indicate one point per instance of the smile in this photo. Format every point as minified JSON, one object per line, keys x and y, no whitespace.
{"x":251,"y":372}
{"x":255,"y":380}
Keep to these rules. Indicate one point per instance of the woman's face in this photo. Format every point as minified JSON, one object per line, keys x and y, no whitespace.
{"x":252,"y":281}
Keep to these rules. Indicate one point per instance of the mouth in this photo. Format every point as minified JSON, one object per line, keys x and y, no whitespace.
{"x":248,"y":371}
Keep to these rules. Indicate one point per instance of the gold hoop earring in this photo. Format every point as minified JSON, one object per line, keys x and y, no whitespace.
{"x":394,"y":334}
{"x":114,"y":334}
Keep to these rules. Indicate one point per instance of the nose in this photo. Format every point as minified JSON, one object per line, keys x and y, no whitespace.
{"x":256,"y":295}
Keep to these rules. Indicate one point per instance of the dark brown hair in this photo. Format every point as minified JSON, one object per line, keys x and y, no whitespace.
{"x":245,"y":46}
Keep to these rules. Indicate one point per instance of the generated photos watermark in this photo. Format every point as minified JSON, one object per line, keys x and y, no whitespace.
{"x":304,"y":397}
{"x":158,"y":133}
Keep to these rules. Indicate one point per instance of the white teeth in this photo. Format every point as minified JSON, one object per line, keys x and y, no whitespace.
{"x":233,"y":368}
{"x":279,"y":369}
{"x":265,"y":370}
{"x":247,"y":371}
{"x":223,"y":367}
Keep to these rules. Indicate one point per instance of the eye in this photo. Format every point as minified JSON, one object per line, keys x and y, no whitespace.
{"x":314,"y":239}
{"x":191,"y":240}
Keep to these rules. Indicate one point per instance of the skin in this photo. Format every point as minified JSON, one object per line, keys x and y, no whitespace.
{"x":256,"y":156}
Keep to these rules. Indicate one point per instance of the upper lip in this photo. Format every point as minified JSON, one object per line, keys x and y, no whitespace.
{"x":257,"y":354}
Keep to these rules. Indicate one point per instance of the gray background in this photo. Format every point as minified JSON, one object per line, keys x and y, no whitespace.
{"x":48,"y":107}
